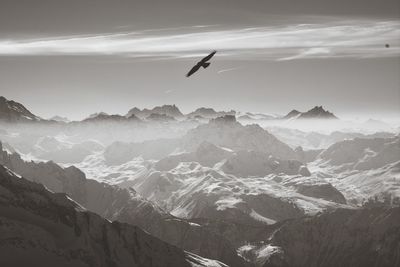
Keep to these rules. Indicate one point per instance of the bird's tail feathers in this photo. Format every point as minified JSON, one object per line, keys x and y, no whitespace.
{"x":205,"y":65}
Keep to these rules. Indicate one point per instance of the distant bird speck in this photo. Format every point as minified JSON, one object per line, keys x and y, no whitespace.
{"x":387,"y":45}
{"x":202,"y":63}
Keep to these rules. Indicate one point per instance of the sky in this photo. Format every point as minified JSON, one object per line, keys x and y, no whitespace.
{"x":74,"y":58}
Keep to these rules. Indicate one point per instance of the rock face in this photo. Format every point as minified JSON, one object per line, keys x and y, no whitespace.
{"x":11,"y":111}
{"x":325,"y":191}
{"x":365,"y":237}
{"x":125,"y":205}
{"x":41,"y":228}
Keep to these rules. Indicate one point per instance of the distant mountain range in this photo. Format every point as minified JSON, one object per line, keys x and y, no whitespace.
{"x":317,"y":112}
{"x":59,"y":119}
{"x":11,"y":111}
{"x":102,"y":116}
{"x":169,"y":110}
{"x":209,"y":113}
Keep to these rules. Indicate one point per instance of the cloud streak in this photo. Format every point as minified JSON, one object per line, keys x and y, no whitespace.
{"x":227,"y":70}
{"x":356,"y":39}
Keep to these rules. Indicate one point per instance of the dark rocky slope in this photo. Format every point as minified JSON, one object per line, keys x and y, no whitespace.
{"x":124,"y":205}
{"x":344,"y":237}
{"x":41,"y":228}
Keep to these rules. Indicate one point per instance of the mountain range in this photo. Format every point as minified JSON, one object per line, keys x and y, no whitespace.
{"x":11,"y":111}
{"x":159,"y":188}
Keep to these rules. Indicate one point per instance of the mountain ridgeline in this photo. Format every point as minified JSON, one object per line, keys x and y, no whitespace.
{"x":12,"y":112}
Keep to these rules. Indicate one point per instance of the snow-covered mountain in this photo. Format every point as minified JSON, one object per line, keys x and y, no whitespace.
{"x":11,"y":111}
{"x":193,"y":191}
{"x":215,"y":182}
{"x":42,"y":228}
{"x":362,"y":169}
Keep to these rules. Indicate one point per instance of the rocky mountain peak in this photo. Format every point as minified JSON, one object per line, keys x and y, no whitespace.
{"x":317,"y":112}
{"x":11,"y":111}
{"x":292,"y":114}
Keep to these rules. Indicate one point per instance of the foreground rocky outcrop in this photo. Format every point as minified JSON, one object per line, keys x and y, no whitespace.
{"x":344,"y":237}
{"x":41,"y":228}
{"x":125,"y":205}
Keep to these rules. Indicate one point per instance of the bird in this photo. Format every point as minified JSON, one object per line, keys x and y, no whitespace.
{"x":387,"y":45}
{"x":202,"y":63}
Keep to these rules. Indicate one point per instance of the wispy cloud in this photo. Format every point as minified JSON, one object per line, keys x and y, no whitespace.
{"x":356,"y":39}
{"x":227,"y":70}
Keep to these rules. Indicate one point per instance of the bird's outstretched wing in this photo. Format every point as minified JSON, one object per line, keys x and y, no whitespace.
{"x":194,"y":69}
{"x":207,"y":58}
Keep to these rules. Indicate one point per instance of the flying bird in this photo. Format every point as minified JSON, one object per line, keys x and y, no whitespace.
{"x":387,"y":45}
{"x":202,"y":63}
